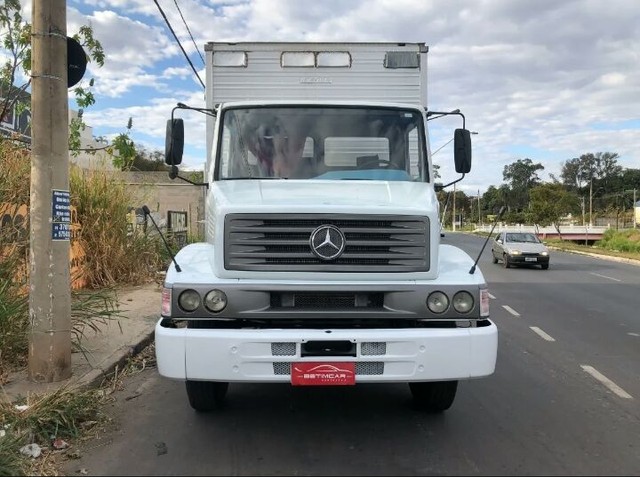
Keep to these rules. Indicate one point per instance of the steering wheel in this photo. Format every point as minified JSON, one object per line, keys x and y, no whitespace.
{"x":378,"y":163}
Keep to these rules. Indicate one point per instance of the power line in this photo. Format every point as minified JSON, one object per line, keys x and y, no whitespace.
{"x":188,"y":30}
{"x":178,"y":41}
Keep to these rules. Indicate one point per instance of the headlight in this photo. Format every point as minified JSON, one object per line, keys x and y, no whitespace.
{"x":437,"y":302}
{"x":215,"y":301}
{"x":189,"y":300}
{"x":514,"y":252}
{"x":544,"y":254}
{"x":462,"y":302}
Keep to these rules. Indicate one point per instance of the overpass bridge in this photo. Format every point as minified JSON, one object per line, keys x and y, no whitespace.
{"x":568,"y":232}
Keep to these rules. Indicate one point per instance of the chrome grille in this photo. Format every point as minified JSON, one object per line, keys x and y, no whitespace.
{"x":280,"y":242}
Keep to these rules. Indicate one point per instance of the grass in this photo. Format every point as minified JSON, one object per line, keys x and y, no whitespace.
{"x":112,"y":258}
{"x":47,"y":421}
{"x":621,"y":244}
{"x":66,"y":414}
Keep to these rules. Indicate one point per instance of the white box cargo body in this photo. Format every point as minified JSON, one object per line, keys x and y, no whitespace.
{"x":322,"y":262}
{"x":259,"y":71}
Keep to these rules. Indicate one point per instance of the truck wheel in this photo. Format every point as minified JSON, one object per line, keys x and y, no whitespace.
{"x":206,"y":395}
{"x":505,"y":261}
{"x":435,"y":396}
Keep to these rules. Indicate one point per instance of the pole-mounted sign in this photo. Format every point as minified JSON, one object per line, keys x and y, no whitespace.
{"x":76,"y":62}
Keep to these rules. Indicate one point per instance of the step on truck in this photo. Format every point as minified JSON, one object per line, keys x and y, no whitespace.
{"x":321,"y":262}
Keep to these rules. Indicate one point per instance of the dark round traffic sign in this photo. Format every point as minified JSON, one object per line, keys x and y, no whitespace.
{"x":76,"y":62}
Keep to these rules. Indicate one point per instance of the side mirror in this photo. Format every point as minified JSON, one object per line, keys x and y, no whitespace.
{"x":174,"y":142}
{"x":462,"y":150}
{"x":499,"y":240}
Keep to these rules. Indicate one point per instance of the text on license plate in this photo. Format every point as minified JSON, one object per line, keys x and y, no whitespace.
{"x":323,"y":374}
{"x":530,"y":259}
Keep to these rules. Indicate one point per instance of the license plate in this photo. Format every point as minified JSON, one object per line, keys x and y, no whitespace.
{"x":530,"y":259}
{"x":323,"y":374}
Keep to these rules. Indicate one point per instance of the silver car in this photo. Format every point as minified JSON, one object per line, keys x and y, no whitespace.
{"x":519,"y":248}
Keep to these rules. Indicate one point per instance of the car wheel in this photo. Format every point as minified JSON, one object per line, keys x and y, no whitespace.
{"x":206,"y":396}
{"x":493,"y":255}
{"x":435,"y":396}
{"x":544,"y":266}
{"x":505,"y":261}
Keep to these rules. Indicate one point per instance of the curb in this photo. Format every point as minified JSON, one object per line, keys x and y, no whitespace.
{"x":95,"y":377}
{"x":630,"y":261}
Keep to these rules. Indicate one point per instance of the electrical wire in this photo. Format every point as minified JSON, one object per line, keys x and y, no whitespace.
{"x":188,"y":30}
{"x":178,"y":41}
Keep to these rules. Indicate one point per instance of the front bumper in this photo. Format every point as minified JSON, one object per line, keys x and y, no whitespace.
{"x":529,"y":259}
{"x":382,"y":355}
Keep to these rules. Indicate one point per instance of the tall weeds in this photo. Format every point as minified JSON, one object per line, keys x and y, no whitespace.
{"x":14,"y":248}
{"x":112,"y":256}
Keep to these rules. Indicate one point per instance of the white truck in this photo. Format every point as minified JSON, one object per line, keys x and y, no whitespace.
{"x":321,"y":262}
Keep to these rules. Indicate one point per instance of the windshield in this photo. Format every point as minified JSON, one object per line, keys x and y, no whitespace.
{"x":322,"y":143}
{"x":522,"y":238}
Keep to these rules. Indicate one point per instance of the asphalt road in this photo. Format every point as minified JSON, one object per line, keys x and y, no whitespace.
{"x":564,"y":400}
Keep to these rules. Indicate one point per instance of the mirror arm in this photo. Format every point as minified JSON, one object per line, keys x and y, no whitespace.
{"x":439,"y":187}
{"x":438,"y":114}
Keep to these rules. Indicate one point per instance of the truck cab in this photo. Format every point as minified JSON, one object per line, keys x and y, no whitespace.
{"x":321,"y":262}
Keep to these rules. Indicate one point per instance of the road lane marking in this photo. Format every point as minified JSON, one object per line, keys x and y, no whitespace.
{"x":604,"y":276}
{"x":613,"y":387}
{"x":511,"y":310}
{"x":541,"y":333}
{"x":491,"y":296}
{"x":633,"y":334}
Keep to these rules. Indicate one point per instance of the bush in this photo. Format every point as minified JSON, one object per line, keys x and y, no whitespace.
{"x":621,"y":241}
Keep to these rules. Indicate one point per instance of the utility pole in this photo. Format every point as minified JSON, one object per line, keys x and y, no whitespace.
{"x":479,"y":218}
{"x":453,"y":209}
{"x":50,"y":216}
{"x":635,"y":218}
{"x":590,"y":202}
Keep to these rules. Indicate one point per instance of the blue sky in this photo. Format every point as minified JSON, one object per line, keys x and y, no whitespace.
{"x":546,"y":80}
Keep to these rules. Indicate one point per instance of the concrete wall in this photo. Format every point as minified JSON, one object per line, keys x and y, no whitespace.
{"x":161,"y":195}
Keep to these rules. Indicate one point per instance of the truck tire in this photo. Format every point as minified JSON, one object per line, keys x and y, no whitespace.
{"x":435,"y":396}
{"x":206,"y":396}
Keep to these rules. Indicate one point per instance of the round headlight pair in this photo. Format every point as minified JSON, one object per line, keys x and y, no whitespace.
{"x":438,"y":302}
{"x":214,"y":301}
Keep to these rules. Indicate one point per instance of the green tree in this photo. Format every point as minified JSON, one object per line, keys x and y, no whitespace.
{"x":549,"y":203}
{"x":577,"y":172}
{"x":521,"y":176}
{"x":148,"y":161}
{"x":16,"y":42}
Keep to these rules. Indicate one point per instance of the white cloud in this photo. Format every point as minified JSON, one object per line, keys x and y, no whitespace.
{"x":554,"y":79}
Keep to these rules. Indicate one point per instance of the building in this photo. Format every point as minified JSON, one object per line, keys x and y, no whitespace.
{"x":93,"y":154}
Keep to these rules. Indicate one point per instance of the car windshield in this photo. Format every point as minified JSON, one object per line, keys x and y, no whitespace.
{"x":522,"y":238}
{"x":325,"y":143}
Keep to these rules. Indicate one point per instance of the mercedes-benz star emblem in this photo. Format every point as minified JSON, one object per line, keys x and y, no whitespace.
{"x":327,"y":242}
